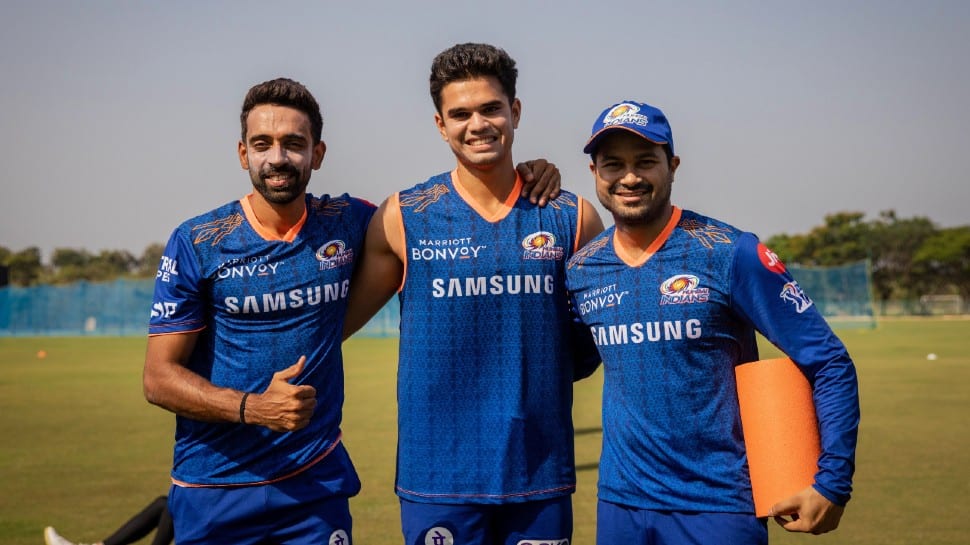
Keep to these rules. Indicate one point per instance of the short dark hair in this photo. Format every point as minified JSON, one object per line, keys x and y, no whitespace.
{"x":471,"y":60}
{"x":284,"y":92}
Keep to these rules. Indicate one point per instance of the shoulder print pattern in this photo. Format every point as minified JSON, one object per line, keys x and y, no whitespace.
{"x":421,"y":199}
{"x":707,"y":234}
{"x":586,"y":252}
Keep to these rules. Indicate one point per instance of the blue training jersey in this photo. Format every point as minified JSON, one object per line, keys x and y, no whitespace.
{"x":670,"y":331}
{"x":259,"y":304}
{"x":485,"y":371}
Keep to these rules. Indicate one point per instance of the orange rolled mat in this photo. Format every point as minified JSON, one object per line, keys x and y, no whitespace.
{"x":780,"y":430}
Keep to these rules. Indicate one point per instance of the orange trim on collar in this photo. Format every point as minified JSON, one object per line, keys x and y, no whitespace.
{"x":499,"y":214}
{"x":265,"y":232}
{"x":657,"y":242}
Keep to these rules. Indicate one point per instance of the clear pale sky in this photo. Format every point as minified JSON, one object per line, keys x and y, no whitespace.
{"x":120,"y":118}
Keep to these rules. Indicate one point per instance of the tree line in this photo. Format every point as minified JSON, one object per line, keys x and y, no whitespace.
{"x":910,"y":256}
{"x":69,"y":265}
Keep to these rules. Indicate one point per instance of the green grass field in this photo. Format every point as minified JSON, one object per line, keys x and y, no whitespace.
{"x":83,"y":451}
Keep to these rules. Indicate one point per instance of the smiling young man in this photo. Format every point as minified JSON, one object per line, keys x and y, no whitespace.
{"x":687,"y":294}
{"x":487,"y":347}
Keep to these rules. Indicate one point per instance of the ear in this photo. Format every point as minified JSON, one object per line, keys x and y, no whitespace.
{"x":319,"y":150}
{"x":674,"y":163}
{"x":243,"y":155}
{"x":592,"y":168}
{"x":440,"y":123}
{"x":516,"y":113}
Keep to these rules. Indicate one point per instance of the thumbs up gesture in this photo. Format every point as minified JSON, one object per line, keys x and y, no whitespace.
{"x":283,"y":406}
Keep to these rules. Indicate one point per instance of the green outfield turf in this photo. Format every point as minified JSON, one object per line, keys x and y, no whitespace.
{"x":82,"y":450}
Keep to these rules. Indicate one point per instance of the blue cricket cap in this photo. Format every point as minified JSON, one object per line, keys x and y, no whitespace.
{"x":636,"y":117}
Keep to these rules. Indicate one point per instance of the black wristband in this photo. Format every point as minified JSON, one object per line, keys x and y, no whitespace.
{"x":242,"y":408}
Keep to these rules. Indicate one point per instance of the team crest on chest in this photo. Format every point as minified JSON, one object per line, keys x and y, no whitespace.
{"x":541,"y":245}
{"x":334,"y":254}
{"x":682,"y":289}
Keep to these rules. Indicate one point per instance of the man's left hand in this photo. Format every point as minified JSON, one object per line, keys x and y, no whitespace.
{"x":808,"y":512}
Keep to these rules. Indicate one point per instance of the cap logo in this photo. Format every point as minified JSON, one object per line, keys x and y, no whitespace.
{"x":624,"y":114}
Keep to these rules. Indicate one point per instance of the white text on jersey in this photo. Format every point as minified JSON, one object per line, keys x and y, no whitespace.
{"x":512,"y":284}
{"x":282,"y":300}
{"x":638,"y":332}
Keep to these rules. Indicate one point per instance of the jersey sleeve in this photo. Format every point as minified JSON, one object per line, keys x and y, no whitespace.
{"x":766,"y":294}
{"x":586,"y":357}
{"x":177,"y":303}
{"x":365,"y":210}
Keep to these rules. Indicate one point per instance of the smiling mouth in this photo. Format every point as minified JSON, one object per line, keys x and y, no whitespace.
{"x":634,"y":193}
{"x":482,"y":141}
{"x":278,"y":180}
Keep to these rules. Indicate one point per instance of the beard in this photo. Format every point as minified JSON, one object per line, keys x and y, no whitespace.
{"x":280,"y":195}
{"x":647,"y":211}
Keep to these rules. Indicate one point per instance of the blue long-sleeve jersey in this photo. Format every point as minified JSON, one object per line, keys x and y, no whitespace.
{"x":670,"y":330}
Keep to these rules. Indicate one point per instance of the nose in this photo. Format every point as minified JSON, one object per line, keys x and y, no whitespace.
{"x":477,"y":122}
{"x":276,"y":154}
{"x":630,"y":178}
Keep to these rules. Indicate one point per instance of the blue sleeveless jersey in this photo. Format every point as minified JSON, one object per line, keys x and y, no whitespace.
{"x":670,"y":332}
{"x":260,"y":304}
{"x":485,"y":374}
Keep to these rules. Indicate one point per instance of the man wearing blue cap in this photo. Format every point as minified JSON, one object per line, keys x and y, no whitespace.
{"x":673,"y":299}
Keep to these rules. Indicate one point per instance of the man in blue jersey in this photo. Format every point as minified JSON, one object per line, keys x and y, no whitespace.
{"x":241,"y":293}
{"x":673,"y":299}
{"x":487,"y":347}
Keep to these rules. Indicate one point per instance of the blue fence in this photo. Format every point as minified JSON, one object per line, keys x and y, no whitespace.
{"x":843,"y":295}
{"x":118,"y":308}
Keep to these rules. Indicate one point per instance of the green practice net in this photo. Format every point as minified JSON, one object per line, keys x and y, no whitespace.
{"x":842,"y":294}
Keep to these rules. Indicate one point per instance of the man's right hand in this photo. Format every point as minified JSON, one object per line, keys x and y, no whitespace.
{"x":283,"y":406}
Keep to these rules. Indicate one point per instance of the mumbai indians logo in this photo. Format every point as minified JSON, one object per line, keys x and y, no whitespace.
{"x":682,"y":289}
{"x":625,"y":114}
{"x":793,"y":293}
{"x":541,"y":245}
{"x":334,"y":254}
{"x":439,"y":536}
{"x":338,"y":537}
